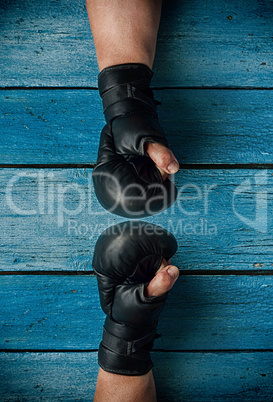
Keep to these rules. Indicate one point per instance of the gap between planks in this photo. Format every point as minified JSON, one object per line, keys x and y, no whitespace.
{"x":193,"y":272}
{"x":215,"y":351}
{"x":56,"y":88}
{"x":197,"y":166}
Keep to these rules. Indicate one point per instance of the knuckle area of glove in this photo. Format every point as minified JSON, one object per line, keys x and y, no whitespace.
{"x":129,"y":132}
{"x":139,"y":313}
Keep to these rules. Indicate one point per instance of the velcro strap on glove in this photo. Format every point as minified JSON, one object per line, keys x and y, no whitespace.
{"x":126,"y":91}
{"x":126,"y":357}
{"x":128,"y":348}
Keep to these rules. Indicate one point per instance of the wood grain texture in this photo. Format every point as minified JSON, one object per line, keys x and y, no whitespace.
{"x":202,"y":313}
{"x":51,"y":219}
{"x":202,"y":126}
{"x":214,"y":43}
{"x":203,"y":377}
{"x":216,"y":342}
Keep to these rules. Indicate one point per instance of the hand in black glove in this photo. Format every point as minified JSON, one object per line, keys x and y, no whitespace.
{"x":126,"y":180}
{"x":126,"y":258}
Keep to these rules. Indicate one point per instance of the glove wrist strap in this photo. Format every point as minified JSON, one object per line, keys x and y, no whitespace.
{"x":126,"y":88}
{"x":128,"y":348}
{"x":124,"y":99}
{"x":127,"y":357}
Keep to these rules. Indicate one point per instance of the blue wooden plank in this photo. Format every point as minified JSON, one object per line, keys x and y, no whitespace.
{"x":203,"y":126}
{"x":199,"y":377}
{"x":48,"y":376}
{"x":214,"y":377}
{"x":50,"y":126}
{"x":51,"y":219}
{"x":214,"y":43}
{"x":202,"y":313}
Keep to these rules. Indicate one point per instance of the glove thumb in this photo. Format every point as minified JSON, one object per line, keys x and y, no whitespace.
{"x":162,"y":282}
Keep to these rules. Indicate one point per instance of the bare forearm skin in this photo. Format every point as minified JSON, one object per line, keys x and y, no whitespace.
{"x":120,"y":388}
{"x":124,"y":31}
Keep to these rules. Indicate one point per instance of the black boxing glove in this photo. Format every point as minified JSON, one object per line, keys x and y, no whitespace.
{"x":126,"y":258}
{"x":126,"y":180}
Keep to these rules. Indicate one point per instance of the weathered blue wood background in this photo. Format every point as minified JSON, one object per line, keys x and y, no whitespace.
{"x":213,"y":75}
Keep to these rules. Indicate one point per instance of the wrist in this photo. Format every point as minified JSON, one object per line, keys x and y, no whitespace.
{"x":126,"y":350}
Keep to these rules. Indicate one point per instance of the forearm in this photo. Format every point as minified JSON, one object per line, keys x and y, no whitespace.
{"x":124,"y":31}
{"x":120,"y":388}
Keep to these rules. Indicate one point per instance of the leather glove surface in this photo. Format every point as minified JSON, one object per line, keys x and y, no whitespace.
{"x":126,"y":180}
{"x":125,"y":260}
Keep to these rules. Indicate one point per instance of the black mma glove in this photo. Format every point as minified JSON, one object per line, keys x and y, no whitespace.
{"x":126,"y":180}
{"x":126,"y":258}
